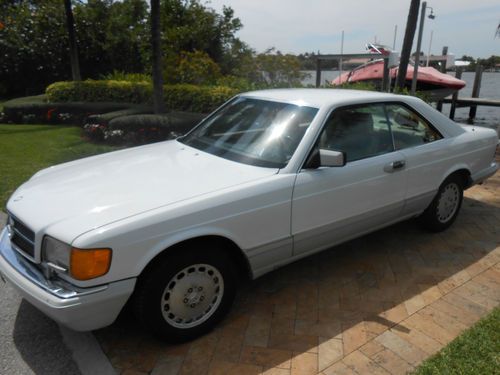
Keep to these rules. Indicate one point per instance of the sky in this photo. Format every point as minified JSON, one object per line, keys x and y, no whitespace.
{"x":296,"y":26}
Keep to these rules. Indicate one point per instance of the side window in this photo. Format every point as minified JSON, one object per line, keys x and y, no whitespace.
{"x":360,"y":132}
{"x":408,"y":128}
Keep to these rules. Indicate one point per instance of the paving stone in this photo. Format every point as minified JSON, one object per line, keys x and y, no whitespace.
{"x":417,"y":338}
{"x":296,"y":343}
{"x":409,"y":352}
{"x":430,"y":293}
{"x":168,"y":365}
{"x":414,"y":304}
{"x":353,"y":336}
{"x":460,"y":314}
{"x":361,"y":364}
{"x":229,"y":346}
{"x":464,"y":303}
{"x":229,"y":368}
{"x":471,"y":292}
{"x":304,"y":364}
{"x":426,"y":325}
{"x":327,"y":329}
{"x":493,"y":287}
{"x":394,"y":313}
{"x":257,"y":333}
{"x":375,"y":325}
{"x":266,"y":357}
{"x":339,"y":368}
{"x":276,"y":371}
{"x":330,"y":350}
{"x":371,"y":348}
{"x":447,"y":322}
{"x":392,"y":362}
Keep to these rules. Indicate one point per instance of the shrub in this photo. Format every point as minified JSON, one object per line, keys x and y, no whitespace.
{"x":191,"y":67}
{"x":145,"y":128}
{"x":129,"y":77}
{"x":183,"y":97}
{"x":35,"y":109}
{"x":100,"y":91}
{"x":105,"y":118}
{"x":201,"y":99}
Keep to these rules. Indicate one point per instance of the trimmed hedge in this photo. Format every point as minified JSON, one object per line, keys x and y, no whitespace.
{"x":177,"y":97}
{"x":174,"y":121}
{"x":35,"y":109}
{"x":144,"y":128}
{"x":105,"y":118}
{"x":100,"y":91}
{"x":191,"y":98}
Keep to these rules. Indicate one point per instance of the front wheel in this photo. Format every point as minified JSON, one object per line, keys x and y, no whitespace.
{"x":185,"y":294}
{"x":444,"y":208}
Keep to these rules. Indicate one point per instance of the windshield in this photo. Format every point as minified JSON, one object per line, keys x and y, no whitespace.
{"x":253,"y":131}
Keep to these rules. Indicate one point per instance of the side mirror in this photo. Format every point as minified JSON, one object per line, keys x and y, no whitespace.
{"x":328,"y":158}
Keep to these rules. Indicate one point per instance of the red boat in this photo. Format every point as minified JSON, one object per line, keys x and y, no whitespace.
{"x":429,"y":80}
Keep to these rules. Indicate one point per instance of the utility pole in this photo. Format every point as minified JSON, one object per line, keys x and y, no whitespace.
{"x":429,"y":49}
{"x":395,"y":34}
{"x":341,"y":53}
{"x":411,"y":25}
{"x":417,"y":53}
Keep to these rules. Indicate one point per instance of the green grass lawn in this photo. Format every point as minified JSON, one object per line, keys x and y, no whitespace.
{"x":25,"y":149}
{"x":475,"y":352}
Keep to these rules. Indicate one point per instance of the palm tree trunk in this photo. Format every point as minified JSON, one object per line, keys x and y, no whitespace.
{"x":157,"y":64}
{"x":73,"y":49}
{"x":411,"y":26}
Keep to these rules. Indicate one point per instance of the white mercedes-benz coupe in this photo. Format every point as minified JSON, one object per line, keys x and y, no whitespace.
{"x":268,"y":178}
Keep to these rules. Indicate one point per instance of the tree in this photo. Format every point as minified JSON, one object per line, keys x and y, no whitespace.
{"x":191,"y":67}
{"x":157,"y":64}
{"x":73,"y":49}
{"x":411,"y":25}
{"x":33,"y":46}
{"x":111,"y":36}
{"x":190,"y":26}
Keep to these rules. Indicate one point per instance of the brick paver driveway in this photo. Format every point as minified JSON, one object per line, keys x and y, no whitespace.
{"x":376,"y":305}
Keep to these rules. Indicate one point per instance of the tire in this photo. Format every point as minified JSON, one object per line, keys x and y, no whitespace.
{"x":185,"y":294}
{"x":445,"y":206}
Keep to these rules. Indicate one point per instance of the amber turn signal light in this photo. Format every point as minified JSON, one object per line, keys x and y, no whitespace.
{"x":86,"y":264}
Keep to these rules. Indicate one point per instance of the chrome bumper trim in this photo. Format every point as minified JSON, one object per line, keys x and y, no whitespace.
{"x":58,"y":288}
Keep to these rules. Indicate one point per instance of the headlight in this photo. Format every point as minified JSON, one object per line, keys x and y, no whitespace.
{"x":56,"y":252}
{"x":81,"y":264}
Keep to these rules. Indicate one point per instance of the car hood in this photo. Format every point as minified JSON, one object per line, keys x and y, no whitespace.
{"x":92,"y":192}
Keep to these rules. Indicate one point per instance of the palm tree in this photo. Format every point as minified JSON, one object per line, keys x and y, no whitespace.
{"x":156,"y":46}
{"x":73,"y":49}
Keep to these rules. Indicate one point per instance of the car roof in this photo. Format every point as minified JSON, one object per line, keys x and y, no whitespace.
{"x":319,"y":97}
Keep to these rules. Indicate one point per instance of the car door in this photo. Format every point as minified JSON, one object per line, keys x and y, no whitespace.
{"x":426,"y":153}
{"x":332,"y":204}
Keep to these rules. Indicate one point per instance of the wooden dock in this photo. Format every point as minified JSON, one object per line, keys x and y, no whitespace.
{"x":472,"y":102}
{"x":468,"y":102}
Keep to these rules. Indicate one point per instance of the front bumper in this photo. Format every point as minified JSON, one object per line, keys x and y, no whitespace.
{"x":81,"y":309}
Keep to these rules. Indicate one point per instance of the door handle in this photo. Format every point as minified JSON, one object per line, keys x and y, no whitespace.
{"x":394,"y":166}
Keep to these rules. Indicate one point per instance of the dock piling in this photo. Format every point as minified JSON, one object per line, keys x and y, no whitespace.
{"x":318,"y":72}
{"x":458,"y":75}
{"x":475,"y":91}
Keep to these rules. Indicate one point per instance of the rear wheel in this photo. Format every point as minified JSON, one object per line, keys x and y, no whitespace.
{"x":185,"y":294}
{"x":445,"y":207}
